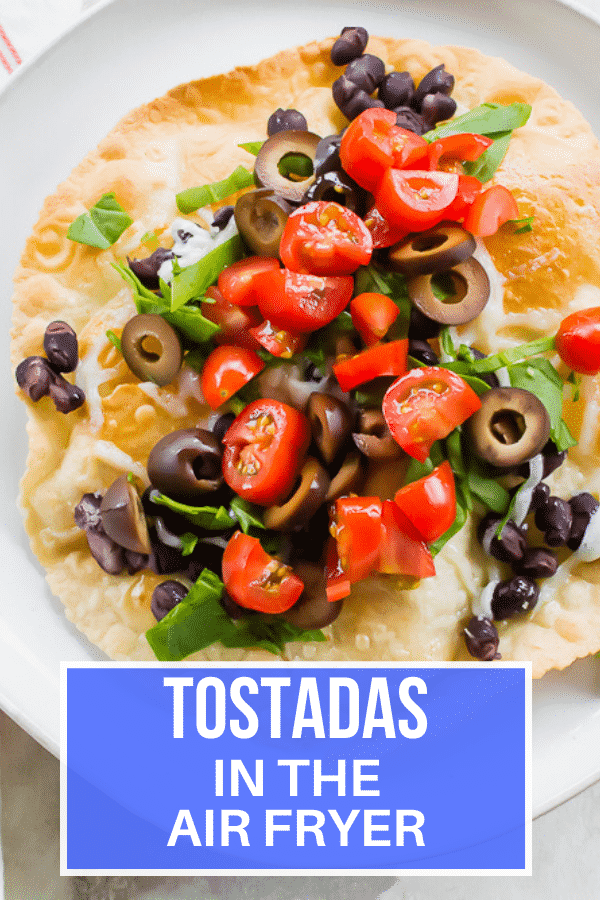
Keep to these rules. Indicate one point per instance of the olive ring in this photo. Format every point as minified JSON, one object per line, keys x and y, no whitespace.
{"x":266,"y":167}
{"x":472,"y":292}
{"x":432,"y":251}
{"x":510,"y":426}
{"x":151,"y":348}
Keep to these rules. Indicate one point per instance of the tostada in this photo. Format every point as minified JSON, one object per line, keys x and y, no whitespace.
{"x":308,"y":352}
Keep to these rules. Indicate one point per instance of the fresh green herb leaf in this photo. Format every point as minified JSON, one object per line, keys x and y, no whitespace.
{"x":196,"y":358}
{"x":295,"y":164}
{"x":114,"y":339}
{"x":371,"y":395}
{"x":462,"y":508}
{"x":149,"y":238}
{"x":194,"y":198}
{"x":200,"y":620}
{"x":575,"y":380}
{"x":237,"y":405}
{"x":489,"y":491}
{"x":252,"y":147}
{"x":526,"y":224}
{"x":248,"y":515}
{"x":102,"y":225}
{"x":489,"y":119}
{"x":192,"y":281}
{"x":418,"y":469}
{"x":454,"y":452}
{"x":485,"y":167}
{"x":189,"y":542}
{"x":210,"y":517}
{"x":503,"y":359}
{"x":446,"y":343}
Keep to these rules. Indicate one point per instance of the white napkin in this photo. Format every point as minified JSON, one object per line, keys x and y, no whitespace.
{"x":27,"y":26}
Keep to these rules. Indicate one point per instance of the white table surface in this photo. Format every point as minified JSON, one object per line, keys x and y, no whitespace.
{"x":566,"y":841}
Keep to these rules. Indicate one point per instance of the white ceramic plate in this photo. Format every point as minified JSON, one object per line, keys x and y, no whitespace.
{"x":57,"y":110}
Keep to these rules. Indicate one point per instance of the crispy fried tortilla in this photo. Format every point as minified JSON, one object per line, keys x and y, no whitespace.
{"x":190,"y":137}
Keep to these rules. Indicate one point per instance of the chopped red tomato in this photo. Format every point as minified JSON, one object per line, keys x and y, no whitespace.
{"x":264,"y":450}
{"x":236,"y":282}
{"x":430,"y":502}
{"x":338,"y":583}
{"x":256,"y":580}
{"x":302,"y":303}
{"x":278,"y":341}
{"x":234,"y":322}
{"x":372,"y":316}
{"x":402,"y":550}
{"x":373,"y":142}
{"x":415,"y":199}
{"x":446,"y":152}
{"x":356,"y":523}
{"x":226,"y":370}
{"x":469,"y":189}
{"x":325,"y":238}
{"x":380,"y":359}
{"x":490,"y":210}
{"x":425,"y":405}
{"x":578,"y":341}
{"x":382,"y":232}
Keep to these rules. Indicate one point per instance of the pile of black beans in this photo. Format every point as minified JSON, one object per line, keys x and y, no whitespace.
{"x":42,"y":376}
{"x":417,"y":109}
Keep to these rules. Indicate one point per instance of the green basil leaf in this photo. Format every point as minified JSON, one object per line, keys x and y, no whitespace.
{"x":417,"y":469}
{"x":541,"y":378}
{"x":190,"y":322}
{"x":252,"y":147}
{"x":190,"y":200}
{"x":489,"y":491}
{"x":210,"y":517}
{"x":446,"y":342}
{"x":454,"y":452}
{"x":189,"y":542}
{"x":485,"y":167}
{"x":191,"y":282}
{"x":461,"y":518}
{"x":526,"y":224}
{"x":114,"y":339}
{"x":102,"y":225}
{"x":248,"y":515}
{"x":489,"y":119}
{"x":501,"y":360}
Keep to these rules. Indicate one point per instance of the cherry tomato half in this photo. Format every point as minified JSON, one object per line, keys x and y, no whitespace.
{"x":373,"y":142}
{"x":338,"y":583}
{"x":226,"y":370}
{"x":402,"y":550}
{"x":302,"y":303}
{"x":425,"y":405}
{"x":383,"y":233}
{"x":233,"y":321}
{"x":442,"y":154}
{"x":430,"y":502}
{"x":380,"y":359}
{"x":578,"y":341}
{"x":372,"y":316}
{"x":264,"y":451}
{"x":325,"y":238}
{"x":357,"y":525}
{"x":236,"y":282}
{"x":469,"y":189}
{"x":278,"y":341}
{"x":256,"y":580}
{"x":415,"y":199}
{"x":490,"y":210}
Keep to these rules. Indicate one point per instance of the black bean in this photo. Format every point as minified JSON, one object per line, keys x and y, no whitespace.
{"x":583,"y":506}
{"x":87,"y":512}
{"x":422,"y":351}
{"x":481,"y":638}
{"x":437,"y":81}
{"x":135,"y":562}
{"x":350,"y":44}
{"x":512,"y":544}
{"x":327,"y":154}
{"x":420,"y":327}
{"x":207,"y":554}
{"x":60,"y":344}
{"x":514,"y":597}
{"x":366,"y":72}
{"x":109,"y":556}
{"x":222,"y":217}
{"x":540,"y":496}
{"x":34,"y":377}
{"x":552,"y":460}
{"x":555,"y":519}
{"x":164,"y":559}
{"x":351,"y":99}
{"x":221,"y":425}
{"x":313,"y":373}
{"x":286,"y":120}
{"x":436,"y":108}
{"x":396,"y":89}
{"x":537,"y":562}
{"x":165,"y":597}
{"x":66,"y":397}
{"x":409,"y":119}
{"x":147,"y":269}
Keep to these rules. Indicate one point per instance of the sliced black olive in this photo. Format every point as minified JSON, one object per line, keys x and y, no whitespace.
{"x":374,"y":439}
{"x":152,"y":348}
{"x":260,"y":217}
{"x":471,"y":293}
{"x":331,"y":422}
{"x":123,"y":517}
{"x":327,"y":154}
{"x":348,"y":479}
{"x":304,"y":502}
{"x":511,"y":425}
{"x":312,"y":609}
{"x":340,"y":188}
{"x":186,"y":464}
{"x":266,"y":167}
{"x":432,"y":251}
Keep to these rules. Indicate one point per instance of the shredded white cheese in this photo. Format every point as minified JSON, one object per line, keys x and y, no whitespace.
{"x":482,"y":606}
{"x":523,"y":500}
{"x":192,"y":242}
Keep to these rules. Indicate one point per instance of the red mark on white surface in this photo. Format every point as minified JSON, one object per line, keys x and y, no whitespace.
{"x":11,"y":47}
